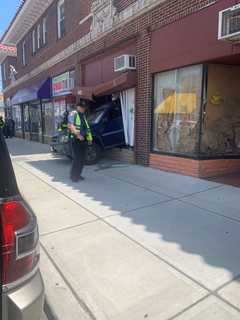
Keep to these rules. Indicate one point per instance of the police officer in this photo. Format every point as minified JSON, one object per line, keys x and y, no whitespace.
{"x":81,"y":136}
{"x":2,"y":124}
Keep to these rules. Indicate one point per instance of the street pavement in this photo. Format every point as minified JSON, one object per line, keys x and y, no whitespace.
{"x":132,"y":242}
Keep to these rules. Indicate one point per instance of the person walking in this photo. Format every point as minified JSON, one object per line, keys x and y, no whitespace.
{"x":81,"y":136}
{"x":2,"y":124}
{"x":11,"y":127}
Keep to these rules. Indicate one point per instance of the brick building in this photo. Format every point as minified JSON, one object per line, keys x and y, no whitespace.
{"x":186,"y":106}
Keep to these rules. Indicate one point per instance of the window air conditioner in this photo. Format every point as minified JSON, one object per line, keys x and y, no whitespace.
{"x":125,"y":62}
{"x":229,"y":24}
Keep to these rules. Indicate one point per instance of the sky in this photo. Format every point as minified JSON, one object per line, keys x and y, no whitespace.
{"x":8,"y":9}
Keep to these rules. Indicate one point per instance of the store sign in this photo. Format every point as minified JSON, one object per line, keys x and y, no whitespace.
{"x":63,"y":84}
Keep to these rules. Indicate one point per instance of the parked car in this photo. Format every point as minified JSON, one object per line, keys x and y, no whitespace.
{"x":107,"y":128}
{"x":21,"y":282}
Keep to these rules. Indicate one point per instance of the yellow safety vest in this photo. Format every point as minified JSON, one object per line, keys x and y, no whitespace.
{"x":78,"y":125}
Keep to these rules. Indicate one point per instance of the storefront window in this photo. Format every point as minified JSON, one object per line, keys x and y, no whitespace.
{"x":177,"y":102}
{"x":59,"y":109}
{"x":35,"y":121}
{"x":221,"y":117}
{"x":26,"y":118}
{"x":17,"y":117}
{"x":48,"y":119}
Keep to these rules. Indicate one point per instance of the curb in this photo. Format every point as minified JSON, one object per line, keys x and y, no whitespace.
{"x":49,"y":311}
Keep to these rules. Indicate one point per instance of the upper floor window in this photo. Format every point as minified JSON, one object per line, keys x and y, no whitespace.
{"x":24,"y":53}
{"x":34,"y":41}
{"x":39,"y":36}
{"x":4,"y":71}
{"x":44,"y":31}
{"x":61,"y":18}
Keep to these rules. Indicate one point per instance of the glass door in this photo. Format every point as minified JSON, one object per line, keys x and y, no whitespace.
{"x":35,"y":122}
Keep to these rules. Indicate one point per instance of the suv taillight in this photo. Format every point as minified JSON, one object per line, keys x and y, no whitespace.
{"x":20,"y":252}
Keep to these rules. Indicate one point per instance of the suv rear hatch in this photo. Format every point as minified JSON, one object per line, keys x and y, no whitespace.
{"x":19,"y":236}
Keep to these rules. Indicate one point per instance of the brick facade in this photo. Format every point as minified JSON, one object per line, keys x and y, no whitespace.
{"x":166,"y":13}
{"x":195,"y":168}
{"x":75,"y":11}
{"x":138,"y":30}
{"x":143,"y":101}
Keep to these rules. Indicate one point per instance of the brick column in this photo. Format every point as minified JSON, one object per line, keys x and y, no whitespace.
{"x":143,"y":99}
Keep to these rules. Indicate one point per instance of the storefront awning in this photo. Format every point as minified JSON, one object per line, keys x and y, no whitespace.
{"x":41,"y":90}
{"x":122,"y":82}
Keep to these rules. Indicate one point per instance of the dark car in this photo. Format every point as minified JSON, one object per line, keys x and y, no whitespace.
{"x":21,"y":283}
{"x":107,"y":128}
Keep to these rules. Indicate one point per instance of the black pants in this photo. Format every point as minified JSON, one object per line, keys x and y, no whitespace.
{"x":79,"y":153}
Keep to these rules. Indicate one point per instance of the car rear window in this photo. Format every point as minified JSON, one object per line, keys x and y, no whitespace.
{"x":8,"y":185}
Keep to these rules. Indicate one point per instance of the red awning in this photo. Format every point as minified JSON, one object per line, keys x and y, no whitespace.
{"x":122,"y":82}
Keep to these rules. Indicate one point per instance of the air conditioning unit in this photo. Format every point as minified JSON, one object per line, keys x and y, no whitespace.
{"x":229,"y":24}
{"x":125,"y":62}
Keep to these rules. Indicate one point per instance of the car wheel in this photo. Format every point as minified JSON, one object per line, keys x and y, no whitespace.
{"x":93,"y":154}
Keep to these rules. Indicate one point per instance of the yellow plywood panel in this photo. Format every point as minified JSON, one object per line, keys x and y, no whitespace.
{"x":178,"y":103}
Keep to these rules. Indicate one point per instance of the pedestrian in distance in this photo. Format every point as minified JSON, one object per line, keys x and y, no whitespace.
{"x":11,"y":127}
{"x":81,"y":136}
{"x":2,"y":124}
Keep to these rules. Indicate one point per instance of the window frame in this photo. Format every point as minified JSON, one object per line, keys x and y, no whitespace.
{"x":44,"y":31}
{"x":24,"y":60}
{"x":197,"y":155}
{"x":4,"y":71}
{"x":59,"y":20}
{"x":39,"y":36}
{"x":34,"y":41}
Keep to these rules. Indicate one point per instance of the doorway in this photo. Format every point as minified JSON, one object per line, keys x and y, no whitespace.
{"x":127,"y":98}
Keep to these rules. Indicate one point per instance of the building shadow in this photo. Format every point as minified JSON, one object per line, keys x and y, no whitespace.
{"x":168,"y":222}
{"x":20,"y":147}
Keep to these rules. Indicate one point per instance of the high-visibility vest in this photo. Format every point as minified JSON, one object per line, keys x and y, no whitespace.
{"x":78,"y":125}
{"x":1,"y":124}
{"x":63,"y":127}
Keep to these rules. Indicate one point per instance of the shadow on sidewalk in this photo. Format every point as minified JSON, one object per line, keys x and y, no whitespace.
{"x":177,"y":231}
{"x":20,"y":147}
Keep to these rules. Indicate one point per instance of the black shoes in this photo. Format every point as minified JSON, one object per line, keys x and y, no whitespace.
{"x":78,"y":179}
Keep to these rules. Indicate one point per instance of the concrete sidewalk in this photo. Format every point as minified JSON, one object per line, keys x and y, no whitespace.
{"x":132,"y":242}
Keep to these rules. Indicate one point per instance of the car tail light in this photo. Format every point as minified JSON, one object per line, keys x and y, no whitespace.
{"x":20,"y":252}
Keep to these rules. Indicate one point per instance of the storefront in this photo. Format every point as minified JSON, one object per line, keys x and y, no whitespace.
{"x":28,"y":110}
{"x":102,"y":81}
{"x":195,"y":111}
{"x":63,"y":98}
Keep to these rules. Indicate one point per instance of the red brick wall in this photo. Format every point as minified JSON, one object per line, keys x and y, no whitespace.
{"x":211,"y":168}
{"x":195,"y":168}
{"x":175,"y":164}
{"x":179,"y":45}
{"x":139,"y":29}
{"x":101,"y":68}
{"x":75,"y":11}
{"x":143,"y":99}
